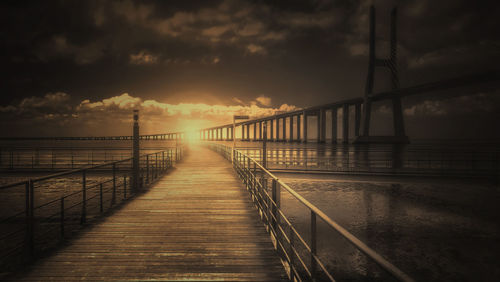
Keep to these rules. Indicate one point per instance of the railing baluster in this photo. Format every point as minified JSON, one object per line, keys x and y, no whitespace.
{"x":62,"y":219}
{"x":275,"y":207}
{"x":124,"y":187}
{"x":292,"y":255}
{"x":313,"y":245}
{"x":147,"y":168}
{"x":84,"y":198}
{"x":113,"y":196}
{"x":101,"y":208}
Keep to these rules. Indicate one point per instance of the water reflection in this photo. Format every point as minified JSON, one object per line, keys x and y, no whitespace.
{"x":433,"y":229}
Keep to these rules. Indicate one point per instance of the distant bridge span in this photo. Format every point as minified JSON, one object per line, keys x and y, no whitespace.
{"x":297,"y":117}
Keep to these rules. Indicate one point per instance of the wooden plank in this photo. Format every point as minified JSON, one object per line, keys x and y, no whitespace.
{"x":197,"y":223}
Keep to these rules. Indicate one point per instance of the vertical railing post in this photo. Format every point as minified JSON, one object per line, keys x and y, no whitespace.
{"x":162,"y":161}
{"x":292,"y":253}
{"x":101,"y":208}
{"x":113,"y":196}
{"x":147,"y":168}
{"x":29,"y":218}
{"x":264,"y":146}
{"x":62,"y":219}
{"x":135,"y":164}
{"x":156,"y":165}
{"x":313,"y":245}
{"x":275,"y":196}
{"x":84,"y":198}
{"x":124,"y":187}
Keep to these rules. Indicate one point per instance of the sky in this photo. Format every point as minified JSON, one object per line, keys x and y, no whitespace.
{"x":76,"y":68}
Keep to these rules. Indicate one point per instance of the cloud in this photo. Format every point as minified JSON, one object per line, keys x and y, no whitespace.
{"x":264,"y":101}
{"x":113,"y":115}
{"x":426,"y":108}
{"x":59,"y":47}
{"x":143,"y":58}
{"x":451,"y":106}
{"x":256,"y":49}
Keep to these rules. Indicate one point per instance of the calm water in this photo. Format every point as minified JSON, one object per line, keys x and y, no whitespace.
{"x":433,"y":228}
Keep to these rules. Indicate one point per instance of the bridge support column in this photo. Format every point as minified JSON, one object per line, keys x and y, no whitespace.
{"x":277,"y":129}
{"x":305,"y":127}
{"x":272,"y":130}
{"x":260,"y":130}
{"x":291,"y":129}
{"x":248,"y":132}
{"x":357,"y":119}
{"x":334,"y":125}
{"x":345,"y":123}
{"x":390,"y":63}
{"x":298,"y":129}
{"x":284,"y":129}
{"x":322,"y":126}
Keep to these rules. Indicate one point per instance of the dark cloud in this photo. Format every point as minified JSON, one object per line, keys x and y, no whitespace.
{"x":296,"y":52}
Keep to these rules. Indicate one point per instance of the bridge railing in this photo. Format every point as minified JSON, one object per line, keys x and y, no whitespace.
{"x":289,"y":242}
{"x":44,"y":211}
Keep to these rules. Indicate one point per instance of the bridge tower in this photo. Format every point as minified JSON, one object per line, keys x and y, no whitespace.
{"x":390,"y":63}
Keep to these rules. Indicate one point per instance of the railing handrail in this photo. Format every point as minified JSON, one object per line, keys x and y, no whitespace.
{"x":382,"y":262}
{"x":63,"y":173}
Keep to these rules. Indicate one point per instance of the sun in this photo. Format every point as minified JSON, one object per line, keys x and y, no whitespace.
{"x":191,"y":129}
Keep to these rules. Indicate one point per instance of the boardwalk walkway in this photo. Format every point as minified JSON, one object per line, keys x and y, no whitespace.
{"x":197,"y":223}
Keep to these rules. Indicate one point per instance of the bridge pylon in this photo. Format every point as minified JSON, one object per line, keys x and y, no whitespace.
{"x":390,"y":63}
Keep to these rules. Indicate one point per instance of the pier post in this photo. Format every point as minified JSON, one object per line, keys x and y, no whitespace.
{"x":135,"y":146}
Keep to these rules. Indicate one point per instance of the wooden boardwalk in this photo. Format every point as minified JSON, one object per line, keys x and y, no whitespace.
{"x":197,"y":223}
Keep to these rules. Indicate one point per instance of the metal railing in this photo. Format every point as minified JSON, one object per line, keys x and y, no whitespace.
{"x":285,"y":236}
{"x":64,"y":158}
{"x":292,"y":159}
{"x":47,"y":210}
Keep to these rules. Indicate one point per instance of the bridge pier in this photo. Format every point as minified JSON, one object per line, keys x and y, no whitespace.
{"x":345,"y":123}
{"x":357,"y":119}
{"x":298,"y":129}
{"x":284,"y":129}
{"x":305,"y":127}
{"x":334,"y":124}
{"x":272,"y":130}
{"x":399,"y":135}
{"x":321,"y":126}
{"x":291,"y":129}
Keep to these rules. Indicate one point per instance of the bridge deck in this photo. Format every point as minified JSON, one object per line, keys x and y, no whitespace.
{"x":197,"y":223}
